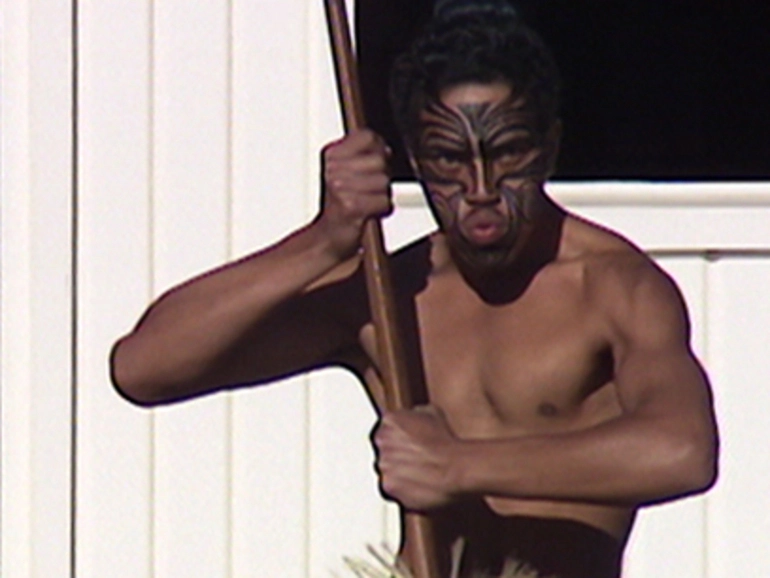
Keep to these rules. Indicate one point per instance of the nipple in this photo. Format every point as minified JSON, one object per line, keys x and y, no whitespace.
{"x":547,"y":410}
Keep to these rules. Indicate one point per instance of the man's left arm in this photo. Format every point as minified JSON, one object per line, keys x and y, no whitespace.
{"x":662,"y":446}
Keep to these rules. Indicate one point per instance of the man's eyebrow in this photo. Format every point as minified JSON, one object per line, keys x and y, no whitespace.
{"x":435,"y":129}
{"x":439,"y":115}
{"x":437,"y":139}
{"x":442,"y":127}
{"x":439,"y":109}
{"x":507,"y":117}
{"x":509,"y":132}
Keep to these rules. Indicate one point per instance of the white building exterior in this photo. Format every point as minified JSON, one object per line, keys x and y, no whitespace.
{"x":143,"y":142}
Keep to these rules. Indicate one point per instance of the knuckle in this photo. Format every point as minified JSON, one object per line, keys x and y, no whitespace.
{"x":367,"y":136}
{"x":334,"y":188}
{"x":381,"y":182}
{"x":348,"y":206}
{"x":330,"y":151}
{"x":330,"y":171}
{"x":387,"y":419}
{"x":388,"y":486}
{"x":383,"y":166}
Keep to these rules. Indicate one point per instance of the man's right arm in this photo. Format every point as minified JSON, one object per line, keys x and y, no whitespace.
{"x":259,"y":319}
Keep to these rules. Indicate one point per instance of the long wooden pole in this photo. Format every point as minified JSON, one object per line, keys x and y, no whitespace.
{"x":421,"y":553}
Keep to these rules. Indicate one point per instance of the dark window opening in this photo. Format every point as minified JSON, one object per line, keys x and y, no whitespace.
{"x":652,"y":90}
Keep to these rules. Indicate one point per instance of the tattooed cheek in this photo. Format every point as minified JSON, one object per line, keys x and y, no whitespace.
{"x":450,"y":191}
{"x":510,"y":198}
{"x":514,"y":202}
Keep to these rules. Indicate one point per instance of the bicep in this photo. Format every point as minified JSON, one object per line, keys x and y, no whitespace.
{"x":666,"y":397}
{"x":656,"y":372}
{"x":666,"y":381}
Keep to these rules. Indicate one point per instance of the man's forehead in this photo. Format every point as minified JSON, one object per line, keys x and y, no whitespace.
{"x":460,"y":100}
{"x":468,"y":105}
{"x":476,"y":93}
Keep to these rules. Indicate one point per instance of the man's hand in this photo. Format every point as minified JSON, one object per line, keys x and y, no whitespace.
{"x":356,"y":187}
{"x":416,"y":458}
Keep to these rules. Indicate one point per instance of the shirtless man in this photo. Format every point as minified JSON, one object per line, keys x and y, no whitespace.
{"x":553,"y":356}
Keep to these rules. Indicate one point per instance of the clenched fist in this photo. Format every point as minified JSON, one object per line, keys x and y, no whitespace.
{"x":416,"y":458}
{"x":356,"y":187}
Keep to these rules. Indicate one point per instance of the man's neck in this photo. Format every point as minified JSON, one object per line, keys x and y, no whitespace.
{"x":501,"y":285}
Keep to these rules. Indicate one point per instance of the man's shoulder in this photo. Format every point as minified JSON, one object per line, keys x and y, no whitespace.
{"x":620,"y":278}
{"x":605,"y":254}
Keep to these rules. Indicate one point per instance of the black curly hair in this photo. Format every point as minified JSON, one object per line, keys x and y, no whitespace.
{"x":473,"y":41}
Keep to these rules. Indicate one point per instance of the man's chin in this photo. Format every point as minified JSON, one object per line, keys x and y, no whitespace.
{"x":482,"y":259}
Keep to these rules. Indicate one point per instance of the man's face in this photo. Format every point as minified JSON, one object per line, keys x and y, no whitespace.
{"x":483,"y":162}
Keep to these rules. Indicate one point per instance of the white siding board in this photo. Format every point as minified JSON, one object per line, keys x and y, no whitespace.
{"x":192,"y":489}
{"x":114,"y":450}
{"x":738,"y":506}
{"x":270,"y":123}
{"x":16,"y":336}
{"x":347,"y":512}
{"x":680,"y":228}
{"x":270,"y":190}
{"x":51,"y":282}
{"x":191,"y":229}
{"x":37,"y":288}
{"x":269,"y":492}
{"x":191,"y":123}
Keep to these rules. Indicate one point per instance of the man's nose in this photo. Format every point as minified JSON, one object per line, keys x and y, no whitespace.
{"x":482,"y":189}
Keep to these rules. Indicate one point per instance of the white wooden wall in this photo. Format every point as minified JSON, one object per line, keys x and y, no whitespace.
{"x":143,"y":142}
{"x":36,"y":287}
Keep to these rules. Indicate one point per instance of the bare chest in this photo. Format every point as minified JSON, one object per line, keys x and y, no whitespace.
{"x":540,"y":363}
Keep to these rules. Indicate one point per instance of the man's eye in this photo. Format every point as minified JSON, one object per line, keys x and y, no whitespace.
{"x":513,"y":151}
{"x":447,"y":158}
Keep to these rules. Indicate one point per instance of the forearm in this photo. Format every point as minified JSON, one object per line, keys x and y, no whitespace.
{"x":188,"y":330}
{"x":630,"y":460}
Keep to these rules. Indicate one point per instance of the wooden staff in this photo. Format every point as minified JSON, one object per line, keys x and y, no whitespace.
{"x":419,"y":536}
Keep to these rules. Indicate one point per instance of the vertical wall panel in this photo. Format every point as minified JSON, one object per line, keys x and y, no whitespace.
{"x":51,"y":279}
{"x":35,"y":184}
{"x":37,"y":287}
{"x":16,"y":338}
{"x":347,"y":512}
{"x":114,"y":446}
{"x":738,"y":523}
{"x":191,"y":229}
{"x":270,"y":198}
